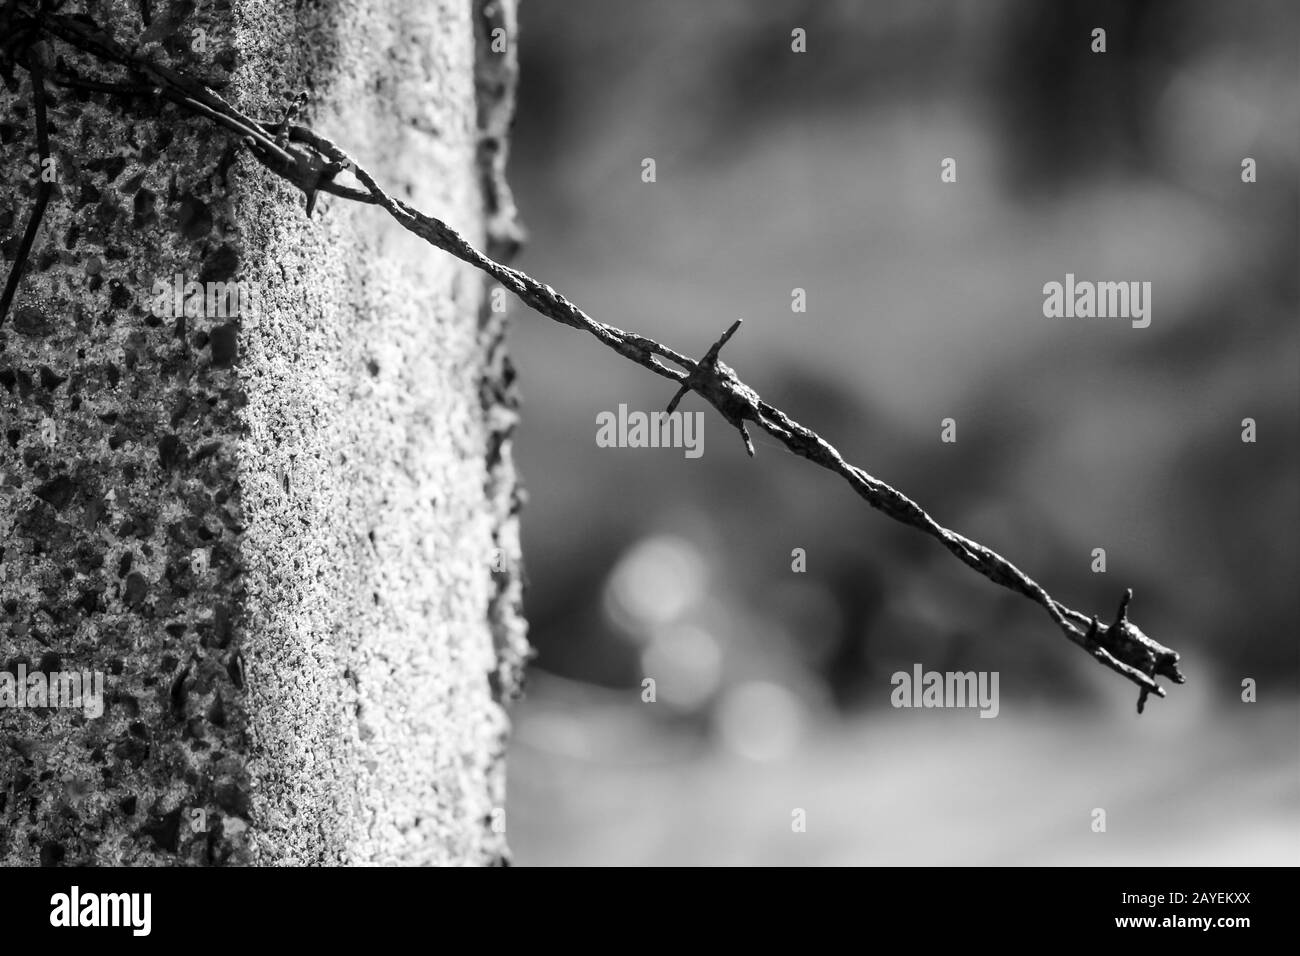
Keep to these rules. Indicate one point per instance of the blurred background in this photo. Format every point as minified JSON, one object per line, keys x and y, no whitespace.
{"x":779,"y":170}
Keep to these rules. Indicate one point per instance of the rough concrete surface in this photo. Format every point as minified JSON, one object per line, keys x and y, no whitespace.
{"x":330,"y":687}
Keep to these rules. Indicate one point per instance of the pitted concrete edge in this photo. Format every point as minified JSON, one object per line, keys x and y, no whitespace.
{"x":328,"y":690}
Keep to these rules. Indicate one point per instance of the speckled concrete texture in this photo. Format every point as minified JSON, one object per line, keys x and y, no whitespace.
{"x":289,"y":538}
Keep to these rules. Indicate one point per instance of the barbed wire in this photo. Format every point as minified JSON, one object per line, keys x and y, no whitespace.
{"x":313,"y":163}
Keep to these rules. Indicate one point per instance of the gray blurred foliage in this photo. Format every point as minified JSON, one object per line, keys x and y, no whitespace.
{"x":778,"y":170}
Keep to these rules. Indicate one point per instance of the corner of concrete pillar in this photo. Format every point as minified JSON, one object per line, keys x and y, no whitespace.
{"x":285,"y":535}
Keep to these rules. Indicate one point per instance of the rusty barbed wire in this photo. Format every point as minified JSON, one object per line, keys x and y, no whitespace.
{"x":312,"y":163}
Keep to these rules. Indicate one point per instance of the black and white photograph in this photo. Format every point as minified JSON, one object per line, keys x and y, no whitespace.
{"x":650,"y":434}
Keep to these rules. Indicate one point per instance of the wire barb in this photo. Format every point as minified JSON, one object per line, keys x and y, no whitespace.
{"x":1130,"y":648}
{"x":705,"y":375}
{"x":43,"y":186}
